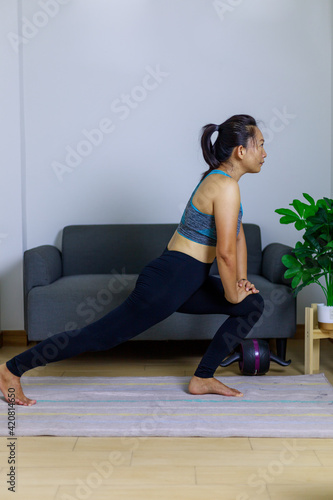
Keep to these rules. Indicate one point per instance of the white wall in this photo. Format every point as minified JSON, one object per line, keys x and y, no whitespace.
{"x":11,"y":192}
{"x":183,"y":63}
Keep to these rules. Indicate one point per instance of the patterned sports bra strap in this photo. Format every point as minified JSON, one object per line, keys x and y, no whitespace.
{"x":217,"y":171}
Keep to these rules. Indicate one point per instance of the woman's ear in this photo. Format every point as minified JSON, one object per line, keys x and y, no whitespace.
{"x":240,"y":152}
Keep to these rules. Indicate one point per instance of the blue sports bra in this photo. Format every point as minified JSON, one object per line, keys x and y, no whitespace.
{"x":198,"y":226}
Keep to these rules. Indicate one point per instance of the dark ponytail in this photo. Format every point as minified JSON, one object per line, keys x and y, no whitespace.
{"x":236,"y":131}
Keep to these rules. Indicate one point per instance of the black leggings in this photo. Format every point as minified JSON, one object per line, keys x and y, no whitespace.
{"x":173,"y":282}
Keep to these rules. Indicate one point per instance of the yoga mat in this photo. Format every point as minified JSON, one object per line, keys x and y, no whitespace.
{"x":284,"y":406}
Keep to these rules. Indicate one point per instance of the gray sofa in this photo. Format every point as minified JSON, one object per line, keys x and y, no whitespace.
{"x":97,"y":269}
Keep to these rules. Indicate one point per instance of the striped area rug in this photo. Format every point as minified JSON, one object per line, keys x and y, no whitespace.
{"x":294,"y":406}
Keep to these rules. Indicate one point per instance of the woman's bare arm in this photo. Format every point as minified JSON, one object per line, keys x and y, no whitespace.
{"x":241,"y":251}
{"x":230,"y":260}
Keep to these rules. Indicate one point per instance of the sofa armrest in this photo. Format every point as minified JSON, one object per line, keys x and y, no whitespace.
{"x":272,"y":267}
{"x":42,"y":266}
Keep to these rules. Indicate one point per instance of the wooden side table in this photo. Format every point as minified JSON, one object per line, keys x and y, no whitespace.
{"x":313,"y":335}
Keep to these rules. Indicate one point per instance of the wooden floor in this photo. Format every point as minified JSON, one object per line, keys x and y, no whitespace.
{"x":51,"y":468}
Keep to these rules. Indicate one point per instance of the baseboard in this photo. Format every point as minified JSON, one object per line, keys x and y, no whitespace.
{"x":13,"y":337}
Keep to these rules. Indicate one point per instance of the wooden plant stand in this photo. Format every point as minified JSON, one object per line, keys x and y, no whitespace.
{"x":313,"y":335}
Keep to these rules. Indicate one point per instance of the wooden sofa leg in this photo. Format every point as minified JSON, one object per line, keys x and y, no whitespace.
{"x":281,"y":348}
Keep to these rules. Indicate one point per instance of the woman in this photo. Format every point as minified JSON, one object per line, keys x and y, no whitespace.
{"x":179,"y":279}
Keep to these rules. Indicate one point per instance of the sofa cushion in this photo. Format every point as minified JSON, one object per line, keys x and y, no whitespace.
{"x":74,"y":301}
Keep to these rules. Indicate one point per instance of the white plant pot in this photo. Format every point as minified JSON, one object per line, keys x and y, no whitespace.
{"x":325,"y":317}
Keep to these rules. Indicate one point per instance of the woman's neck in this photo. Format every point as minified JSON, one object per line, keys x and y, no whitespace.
{"x":232,"y":169}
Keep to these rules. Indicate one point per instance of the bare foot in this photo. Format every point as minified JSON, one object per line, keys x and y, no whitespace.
{"x":10,"y":386}
{"x":200,"y":386}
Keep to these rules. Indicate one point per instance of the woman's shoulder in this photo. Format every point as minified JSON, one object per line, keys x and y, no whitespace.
{"x":215,"y":190}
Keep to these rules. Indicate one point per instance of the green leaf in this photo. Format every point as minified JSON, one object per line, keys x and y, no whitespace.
{"x":290,"y":261}
{"x":299,"y":206}
{"x":329,"y":202}
{"x":314,"y":231}
{"x":287,"y":219}
{"x":300,"y":224}
{"x":322,"y":204}
{"x":309,"y":199}
{"x":306,"y":277}
{"x":313,"y":242}
{"x":296,"y":281}
{"x":315,"y":270}
{"x":301,"y":253}
{"x":320,"y":218}
{"x":311,"y":263}
{"x":309,"y":276}
{"x":290,"y":273}
{"x":287,"y":211}
{"x":324,"y":261}
{"x":309,"y":210}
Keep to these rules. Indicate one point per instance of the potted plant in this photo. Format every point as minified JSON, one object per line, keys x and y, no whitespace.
{"x":312,"y":258}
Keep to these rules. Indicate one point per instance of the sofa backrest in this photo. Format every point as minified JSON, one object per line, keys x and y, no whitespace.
{"x":254,"y":248}
{"x":127,"y":248}
{"x":112,"y":248}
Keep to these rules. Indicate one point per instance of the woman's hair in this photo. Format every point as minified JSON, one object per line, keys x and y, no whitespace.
{"x":236,"y":131}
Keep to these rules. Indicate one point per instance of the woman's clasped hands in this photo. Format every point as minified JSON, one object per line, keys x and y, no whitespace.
{"x":247,"y":285}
